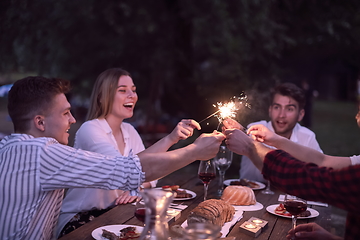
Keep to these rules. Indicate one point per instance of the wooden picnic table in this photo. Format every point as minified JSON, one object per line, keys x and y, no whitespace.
{"x":187,"y":179}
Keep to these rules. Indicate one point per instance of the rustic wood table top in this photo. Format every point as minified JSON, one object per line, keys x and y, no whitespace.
{"x":276,"y":229}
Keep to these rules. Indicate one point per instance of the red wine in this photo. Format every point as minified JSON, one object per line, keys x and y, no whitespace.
{"x":295,"y":207}
{"x":207,"y":177}
{"x":140,"y":214}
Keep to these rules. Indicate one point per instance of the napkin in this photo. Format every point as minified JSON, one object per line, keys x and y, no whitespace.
{"x":282,"y":198}
{"x":178,"y":206}
{"x":226,"y":228}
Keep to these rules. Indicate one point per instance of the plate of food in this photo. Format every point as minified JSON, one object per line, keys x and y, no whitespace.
{"x":214,"y":211}
{"x":181,"y":194}
{"x":279,"y":210}
{"x":254,"y":185}
{"x":241,"y":197}
{"x":253,"y":207}
{"x":113,"y":231}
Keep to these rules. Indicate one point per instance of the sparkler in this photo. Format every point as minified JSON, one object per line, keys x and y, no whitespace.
{"x":229,"y":109}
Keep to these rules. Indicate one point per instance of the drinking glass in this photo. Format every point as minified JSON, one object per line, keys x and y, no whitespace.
{"x":222,"y":162}
{"x":202,"y":231}
{"x":207,"y":172}
{"x":294,"y":205}
{"x":140,"y":210}
{"x":267,"y":190}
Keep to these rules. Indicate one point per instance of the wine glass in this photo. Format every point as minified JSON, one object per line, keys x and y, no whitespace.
{"x":267,"y":190}
{"x":207,"y":172}
{"x":294,"y":205}
{"x":140,"y":210}
{"x":222,"y":162}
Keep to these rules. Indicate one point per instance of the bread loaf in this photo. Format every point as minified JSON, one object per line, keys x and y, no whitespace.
{"x":214,"y":211}
{"x":238,"y":195}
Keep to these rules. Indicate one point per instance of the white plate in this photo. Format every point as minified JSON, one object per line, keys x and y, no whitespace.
{"x":261,"y":185}
{"x":254,"y":207}
{"x":271,"y":209}
{"x":193,"y":195}
{"x":112,"y":228}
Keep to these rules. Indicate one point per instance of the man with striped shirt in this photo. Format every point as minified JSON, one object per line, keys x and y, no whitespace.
{"x":36,"y":165}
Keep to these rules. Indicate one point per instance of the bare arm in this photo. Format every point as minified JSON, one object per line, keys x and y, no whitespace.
{"x":183,"y":130}
{"x":157,"y":165}
{"x":303,"y":153}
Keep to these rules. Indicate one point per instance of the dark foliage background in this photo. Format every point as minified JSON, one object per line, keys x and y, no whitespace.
{"x":185,"y":55}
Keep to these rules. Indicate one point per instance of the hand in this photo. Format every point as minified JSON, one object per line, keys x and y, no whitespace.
{"x":262,"y":134}
{"x":125,"y":198}
{"x":238,"y":142}
{"x":208,"y":145}
{"x":183,"y":130}
{"x":229,"y":123}
{"x":311,"y":231}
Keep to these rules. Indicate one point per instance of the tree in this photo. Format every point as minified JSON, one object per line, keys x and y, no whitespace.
{"x":185,"y":55}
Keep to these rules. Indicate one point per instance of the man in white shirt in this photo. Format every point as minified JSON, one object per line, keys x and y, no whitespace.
{"x":286,"y":110}
{"x":36,"y":165}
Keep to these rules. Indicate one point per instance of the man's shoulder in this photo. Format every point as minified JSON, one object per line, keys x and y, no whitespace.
{"x":26,"y":139}
{"x":303,"y":130}
{"x":262,"y":122}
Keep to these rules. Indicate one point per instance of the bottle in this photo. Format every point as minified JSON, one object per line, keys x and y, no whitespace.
{"x":157,"y":202}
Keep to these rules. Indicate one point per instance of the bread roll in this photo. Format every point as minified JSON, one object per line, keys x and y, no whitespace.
{"x":238,"y":195}
{"x":214,"y":211}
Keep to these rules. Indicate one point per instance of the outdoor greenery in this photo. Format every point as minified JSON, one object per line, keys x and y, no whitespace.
{"x":185,"y":55}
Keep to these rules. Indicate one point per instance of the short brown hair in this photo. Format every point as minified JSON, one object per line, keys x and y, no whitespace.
{"x":31,"y":96}
{"x":290,"y":90}
{"x":103,"y":93}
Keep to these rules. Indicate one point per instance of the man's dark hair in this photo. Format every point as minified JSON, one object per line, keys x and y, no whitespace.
{"x":290,"y":90}
{"x":31,"y":96}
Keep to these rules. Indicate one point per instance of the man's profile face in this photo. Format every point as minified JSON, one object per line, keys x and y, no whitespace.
{"x":58,"y":119}
{"x":357,"y":116}
{"x":284,"y":113}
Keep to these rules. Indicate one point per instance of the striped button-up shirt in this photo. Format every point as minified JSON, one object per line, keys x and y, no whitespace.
{"x":34,"y":173}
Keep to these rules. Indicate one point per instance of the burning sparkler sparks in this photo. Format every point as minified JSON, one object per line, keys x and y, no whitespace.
{"x":229,"y":109}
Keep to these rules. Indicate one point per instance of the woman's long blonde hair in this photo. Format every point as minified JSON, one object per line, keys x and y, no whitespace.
{"x":102,"y":96}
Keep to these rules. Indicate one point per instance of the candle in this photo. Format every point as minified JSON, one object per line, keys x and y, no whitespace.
{"x":257,"y":221}
{"x":250,"y":226}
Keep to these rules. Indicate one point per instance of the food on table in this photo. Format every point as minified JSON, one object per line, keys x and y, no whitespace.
{"x":214,"y":211}
{"x":245,"y":182}
{"x":179,"y":193}
{"x":129,"y":233}
{"x":109,"y":235}
{"x":282,"y":211}
{"x":238,"y":195}
{"x":125,"y":234}
{"x":170,"y":187}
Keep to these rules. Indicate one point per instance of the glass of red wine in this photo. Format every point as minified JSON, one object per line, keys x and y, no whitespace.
{"x":295,"y":206}
{"x":140,"y":210}
{"x":207,"y":172}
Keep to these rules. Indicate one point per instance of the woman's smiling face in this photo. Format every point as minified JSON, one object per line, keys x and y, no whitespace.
{"x":125,"y":98}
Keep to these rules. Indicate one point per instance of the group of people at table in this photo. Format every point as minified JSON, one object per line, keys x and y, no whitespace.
{"x":109,"y":164}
